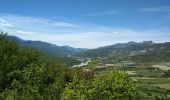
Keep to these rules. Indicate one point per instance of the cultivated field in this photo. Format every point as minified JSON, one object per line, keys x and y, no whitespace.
{"x":162,"y":67}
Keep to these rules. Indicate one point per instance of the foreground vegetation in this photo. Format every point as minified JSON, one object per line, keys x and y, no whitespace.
{"x":25,"y":74}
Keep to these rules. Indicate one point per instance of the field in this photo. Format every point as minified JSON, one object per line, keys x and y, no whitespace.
{"x":162,"y":67}
{"x":150,"y":79}
{"x":164,"y":86}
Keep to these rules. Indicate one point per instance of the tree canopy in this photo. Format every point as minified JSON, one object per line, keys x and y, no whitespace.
{"x":26,"y":75}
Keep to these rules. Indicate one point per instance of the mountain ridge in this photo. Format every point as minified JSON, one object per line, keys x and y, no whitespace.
{"x":48,"y":47}
{"x":56,"y":50}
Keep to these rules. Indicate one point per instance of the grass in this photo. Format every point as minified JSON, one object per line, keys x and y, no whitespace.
{"x":164,"y":86}
{"x":150,"y":73}
{"x":154,"y":81}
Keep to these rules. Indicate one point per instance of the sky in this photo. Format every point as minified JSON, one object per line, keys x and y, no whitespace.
{"x":86,"y":23}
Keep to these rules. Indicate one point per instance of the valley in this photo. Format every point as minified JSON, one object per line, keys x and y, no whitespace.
{"x":85,"y":50}
{"x":151,"y":75}
{"x":145,"y":64}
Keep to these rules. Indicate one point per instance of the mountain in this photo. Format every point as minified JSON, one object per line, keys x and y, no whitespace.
{"x":48,"y":48}
{"x":137,"y":50}
{"x":131,"y":48}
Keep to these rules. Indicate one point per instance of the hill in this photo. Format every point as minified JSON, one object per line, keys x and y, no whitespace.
{"x":48,"y":48}
{"x":146,"y":51}
{"x":132,"y":48}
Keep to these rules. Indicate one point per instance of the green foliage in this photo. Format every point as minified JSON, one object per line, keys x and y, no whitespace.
{"x":114,"y":85}
{"x":167,"y":73}
{"x":26,"y":75}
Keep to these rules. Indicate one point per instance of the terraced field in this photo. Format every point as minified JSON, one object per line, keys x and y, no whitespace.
{"x":151,"y":79}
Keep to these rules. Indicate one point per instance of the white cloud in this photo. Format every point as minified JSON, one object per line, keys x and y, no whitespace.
{"x":116,"y":32}
{"x":5,"y":24}
{"x":157,"y":9}
{"x":20,"y":21}
{"x":102,"y":13}
{"x":64,"y":24}
{"x":97,"y":39}
{"x":83,"y":40}
{"x":76,"y":34}
{"x":25,"y":32}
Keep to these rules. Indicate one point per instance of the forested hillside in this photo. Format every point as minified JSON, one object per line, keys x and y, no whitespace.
{"x":48,"y":48}
{"x":26,"y":74}
{"x":145,"y":51}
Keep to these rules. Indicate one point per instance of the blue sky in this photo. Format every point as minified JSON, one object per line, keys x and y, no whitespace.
{"x":86,"y":23}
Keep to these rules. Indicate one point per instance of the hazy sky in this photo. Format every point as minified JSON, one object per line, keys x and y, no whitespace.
{"x":86,"y":23}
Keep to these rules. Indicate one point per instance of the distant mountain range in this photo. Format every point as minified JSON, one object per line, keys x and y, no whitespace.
{"x":48,"y":48}
{"x":130,"y":47}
